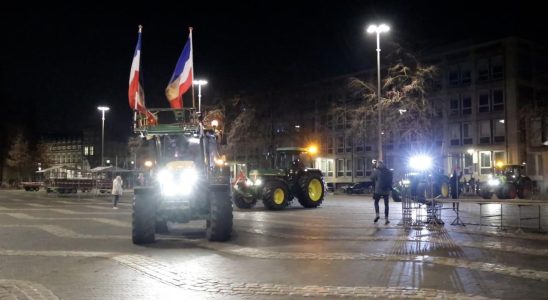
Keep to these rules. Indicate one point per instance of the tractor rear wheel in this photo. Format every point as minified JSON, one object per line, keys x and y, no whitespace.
{"x":525,"y":188}
{"x":143,"y":219}
{"x":275,"y":195}
{"x":507,"y":191}
{"x":219,"y":224}
{"x":311,"y":191}
{"x":161,"y":227}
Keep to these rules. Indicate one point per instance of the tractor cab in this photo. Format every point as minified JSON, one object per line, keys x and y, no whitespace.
{"x":292,"y":158}
{"x":510,"y":172}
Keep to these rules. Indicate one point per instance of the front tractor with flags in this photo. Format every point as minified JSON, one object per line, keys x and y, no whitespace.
{"x":287,"y":178}
{"x":186,"y":179}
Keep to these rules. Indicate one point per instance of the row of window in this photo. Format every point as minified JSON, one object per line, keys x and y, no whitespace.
{"x":488,"y":101}
{"x":486,"y":161}
{"x":487,"y":69}
{"x":69,"y":147}
{"x":488,"y":132}
{"x":361,"y":167}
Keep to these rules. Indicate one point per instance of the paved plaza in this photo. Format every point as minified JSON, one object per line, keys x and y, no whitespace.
{"x":78,"y":247}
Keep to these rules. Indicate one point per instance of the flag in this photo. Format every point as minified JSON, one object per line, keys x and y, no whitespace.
{"x":182,"y":77}
{"x":136,"y":93}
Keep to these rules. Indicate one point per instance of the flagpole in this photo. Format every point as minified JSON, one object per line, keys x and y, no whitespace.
{"x":192,"y":61}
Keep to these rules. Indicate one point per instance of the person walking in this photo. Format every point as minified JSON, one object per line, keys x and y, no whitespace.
{"x":454,"y":180}
{"x":382,"y":177}
{"x":117,"y":190}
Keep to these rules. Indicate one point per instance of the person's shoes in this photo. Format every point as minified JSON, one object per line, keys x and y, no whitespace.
{"x":386,"y":222}
{"x":114,"y":207}
{"x":376,"y":219}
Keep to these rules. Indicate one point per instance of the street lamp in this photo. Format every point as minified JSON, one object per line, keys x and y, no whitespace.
{"x":378,"y":30}
{"x":103,"y":109}
{"x":200,"y":82}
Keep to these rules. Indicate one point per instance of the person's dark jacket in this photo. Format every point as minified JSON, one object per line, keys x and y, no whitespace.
{"x":383,"y":180}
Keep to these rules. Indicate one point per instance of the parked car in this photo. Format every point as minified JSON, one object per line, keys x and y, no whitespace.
{"x":359,"y":188}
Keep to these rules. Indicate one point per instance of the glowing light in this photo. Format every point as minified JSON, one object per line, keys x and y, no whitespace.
{"x":420,"y":162}
{"x":313,"y":149}
{"x":499,"y":164}
{"x":148,"y":163}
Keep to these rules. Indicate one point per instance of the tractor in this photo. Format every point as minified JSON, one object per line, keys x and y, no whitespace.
{"x":287,"y":178}
{"x":507,"y":182}
{"x":186,"y":178}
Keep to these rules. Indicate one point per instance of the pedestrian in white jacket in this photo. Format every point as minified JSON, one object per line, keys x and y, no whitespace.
{"x":117,"y":190}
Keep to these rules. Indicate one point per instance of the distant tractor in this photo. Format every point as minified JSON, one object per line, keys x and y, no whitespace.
{"x":287,"y":178}
{"x":508,"y":182}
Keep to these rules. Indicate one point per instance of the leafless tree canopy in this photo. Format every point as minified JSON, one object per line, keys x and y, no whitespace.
{"x":406,"y":111}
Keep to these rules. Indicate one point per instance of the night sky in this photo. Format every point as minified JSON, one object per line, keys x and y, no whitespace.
{"x":58,"y":65}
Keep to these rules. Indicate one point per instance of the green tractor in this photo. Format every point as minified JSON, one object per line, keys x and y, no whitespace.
{"x":185,"y":180}
{"x":508,"y":182}
{"x":276,"y":186}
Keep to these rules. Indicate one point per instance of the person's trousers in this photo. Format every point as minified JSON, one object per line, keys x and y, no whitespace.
{"x":116,"y":198}
{"x":377,"y":197}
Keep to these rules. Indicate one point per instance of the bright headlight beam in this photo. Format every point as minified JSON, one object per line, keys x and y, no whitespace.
{"x":420,"y":162}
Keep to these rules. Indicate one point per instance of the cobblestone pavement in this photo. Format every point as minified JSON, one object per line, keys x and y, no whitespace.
{"x":77,"y":247}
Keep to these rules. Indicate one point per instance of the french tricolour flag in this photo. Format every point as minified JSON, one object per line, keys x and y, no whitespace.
{"x":181,"y":80}
{"x":136,"y":93}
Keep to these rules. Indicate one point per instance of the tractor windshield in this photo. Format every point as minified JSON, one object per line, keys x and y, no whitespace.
{"x":180,"y":147}
{"x":289,"y":159}
{"x":511,"y":171}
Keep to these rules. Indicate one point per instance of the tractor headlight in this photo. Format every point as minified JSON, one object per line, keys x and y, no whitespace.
{"x":493,"y":182}
{"x":258,"y":182}
{"x":177,"y":182}
{"x":420,"y":162}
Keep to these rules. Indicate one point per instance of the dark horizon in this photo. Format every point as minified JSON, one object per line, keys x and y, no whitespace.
{"x":57,"y":67}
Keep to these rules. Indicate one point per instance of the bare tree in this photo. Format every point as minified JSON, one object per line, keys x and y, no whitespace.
{"x":407,"y":113}
{"x":19,"y":158}
{"x":41,"y":156}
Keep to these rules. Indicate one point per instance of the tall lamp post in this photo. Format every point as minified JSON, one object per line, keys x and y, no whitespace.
{"x":199,"y":83}
{"x":103,"y":109}
{"x":378,"y":30}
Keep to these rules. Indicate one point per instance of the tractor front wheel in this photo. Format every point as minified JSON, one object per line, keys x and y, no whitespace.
{"x":243,"y":203}
{"x":219,"y":224}
{"x":143,"y":219}
{"x":311,"y":191}
{"x":275,"y":195}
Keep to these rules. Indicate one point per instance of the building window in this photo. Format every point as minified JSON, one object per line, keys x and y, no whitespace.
{"x":86,"y":151}
{"x":359,"y":144}
{"x":330,"y":168}
{"x":454,"y":78}
{"x":455,"y":134}
{"x":340,"y":144}
{"x":91,"y":150}
{"x":483,"y":104}
{"x":360,"y":167}
{"x":485,"y":132}
{"x":340,"y":167}
{"x":330,"y":121}
{"x":466,"y":74}
{"x":497,"y":70}
{"x":467,"y":138}
{"x":483,"y":69}
{"x":348,"y":167}
{"x":485,"y":162}
{"x":330,"y":146}
{"x":499,"y":132}
{"x":466,"y":105}
{"x":454,"y":106}
{"x":348,"y":144}
{"x":498,"y":100}
{"x":499,"y":157}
